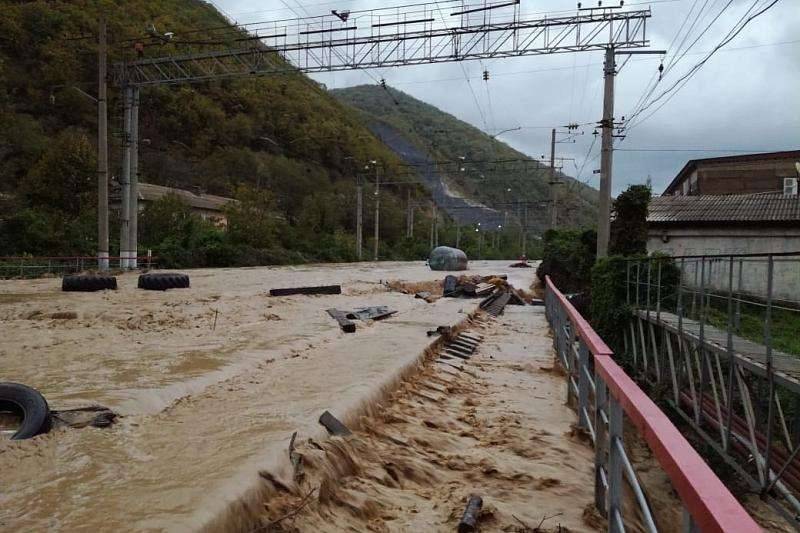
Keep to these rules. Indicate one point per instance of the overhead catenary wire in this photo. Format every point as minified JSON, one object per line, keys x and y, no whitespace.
{"x":670,"y":92}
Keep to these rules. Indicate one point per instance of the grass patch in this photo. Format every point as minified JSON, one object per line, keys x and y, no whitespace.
{"x":784,"y":329}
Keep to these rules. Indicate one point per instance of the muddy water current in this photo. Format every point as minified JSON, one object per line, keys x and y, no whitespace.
{"x":211,"y":382}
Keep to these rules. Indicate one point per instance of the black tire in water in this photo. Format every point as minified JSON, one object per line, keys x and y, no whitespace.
{"x":162,"y":281}
{"x":30,"y":405}
{"x":83,"y":283}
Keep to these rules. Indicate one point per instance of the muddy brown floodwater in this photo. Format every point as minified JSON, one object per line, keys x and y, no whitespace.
{"x":205,"y":407}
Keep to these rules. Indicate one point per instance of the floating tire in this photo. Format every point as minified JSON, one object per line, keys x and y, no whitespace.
{"x":162,"y":281}
{"x":84,"y":283}
{"x":30,"y":405}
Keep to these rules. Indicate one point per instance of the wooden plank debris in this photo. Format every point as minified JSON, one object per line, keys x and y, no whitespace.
{"x":333,"y":425}
{"x":371,"y":313}
{"x":347,"y":325}
{"x":321,"y":289}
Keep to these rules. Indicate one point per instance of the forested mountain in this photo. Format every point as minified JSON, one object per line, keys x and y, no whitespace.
{"x":471,"y":162}
{"x":280,"y":143}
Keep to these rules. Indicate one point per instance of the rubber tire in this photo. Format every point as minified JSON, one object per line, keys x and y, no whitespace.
{"x":161,"y":281}
{"x":83,"y":283}
{"x":31,"y":404}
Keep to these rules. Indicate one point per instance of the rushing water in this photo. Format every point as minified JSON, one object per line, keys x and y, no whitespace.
{"x":211,"y":381}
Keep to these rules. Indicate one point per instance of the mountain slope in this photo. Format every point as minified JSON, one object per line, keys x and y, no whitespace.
{"x":469,"y":162}
{"x":282,"y":134}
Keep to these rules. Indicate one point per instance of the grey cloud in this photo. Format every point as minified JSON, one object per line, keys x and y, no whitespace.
{"x":742,"y":99}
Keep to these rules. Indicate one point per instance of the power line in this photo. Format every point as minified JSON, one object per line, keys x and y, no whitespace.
{"x":738,"y":151}
{"x":683,"y":80}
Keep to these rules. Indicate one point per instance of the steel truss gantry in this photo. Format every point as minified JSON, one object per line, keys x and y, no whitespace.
{"x":320,"y":44}
{"x":388,"y":37}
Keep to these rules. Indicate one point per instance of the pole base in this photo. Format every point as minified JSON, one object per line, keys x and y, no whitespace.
{"x":102,"y":261}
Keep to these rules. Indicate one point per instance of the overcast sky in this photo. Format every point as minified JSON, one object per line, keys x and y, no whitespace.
{"x":745,"y":98}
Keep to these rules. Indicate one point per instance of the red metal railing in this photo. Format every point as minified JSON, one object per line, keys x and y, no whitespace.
{"x":709,"y":505}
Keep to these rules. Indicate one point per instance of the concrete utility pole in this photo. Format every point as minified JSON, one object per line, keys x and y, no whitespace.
{"x":430,"y":236}
{"x":458,"y":235}
{"x":377,"y":209}
{"x":606,"y":155}
{"x":607,"y":145}
{"x":133,"y":240}
{"x":435,"y":225}
{"x":409,"y":215}
{"x":102,"y":148}
{"x":553,"y":190}
{"x":359,"y":216}
{"x":524,"y":232}
{"x":125,"y":180}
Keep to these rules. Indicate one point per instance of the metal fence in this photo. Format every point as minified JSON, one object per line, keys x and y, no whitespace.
{"x":605,"y":397}
{"x":36,"y":267}
{"x":719,"y":337}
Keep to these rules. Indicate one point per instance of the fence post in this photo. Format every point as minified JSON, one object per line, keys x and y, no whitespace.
{"x":731,"y":360}
{"x":583,"y":385}
{"x":647,"y":292}
{"x":614,"y":473}
{"x":770,"y":371}
{"x":601,"y":445}
{"x":658,"y":293}
{"x":738,"y":315}
{"x":701,"y":352}
{"x":569,"y":353}
{"x":628,"y":282}
{"x":689,"y":525}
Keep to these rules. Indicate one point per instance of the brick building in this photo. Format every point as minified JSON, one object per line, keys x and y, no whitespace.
{"x":774,"y":172}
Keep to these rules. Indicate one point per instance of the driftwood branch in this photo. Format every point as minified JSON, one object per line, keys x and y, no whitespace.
{"x":296,"y":459}
{"x":290,"y":514}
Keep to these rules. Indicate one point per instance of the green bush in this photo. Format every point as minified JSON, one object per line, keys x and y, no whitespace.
{"x":629,"y":225}
{"x":613,"y":292}
{"x":567,"y":258}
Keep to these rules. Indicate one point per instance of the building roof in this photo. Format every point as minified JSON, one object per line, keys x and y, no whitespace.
{"x":691,"y":165}
{"x":148,"y":191}
{"x":757,"y":209}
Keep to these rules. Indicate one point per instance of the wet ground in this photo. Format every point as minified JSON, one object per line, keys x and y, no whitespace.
{"x":210,"y":381}
{"x":498,"y":428}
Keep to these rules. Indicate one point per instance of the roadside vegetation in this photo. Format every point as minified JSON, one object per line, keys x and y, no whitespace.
{"x":281,"y":143}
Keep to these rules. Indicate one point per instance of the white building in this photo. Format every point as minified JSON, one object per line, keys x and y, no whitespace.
{"x":732,"y":224}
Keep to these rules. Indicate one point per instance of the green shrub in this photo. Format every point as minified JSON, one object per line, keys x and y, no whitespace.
{"x":613,"y":292}
{"x":567,"y":258}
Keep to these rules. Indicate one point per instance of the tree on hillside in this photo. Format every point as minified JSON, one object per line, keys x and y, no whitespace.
{"x":64,"y":177}
{"x":629,"y":226}
{"x":253,"y":219}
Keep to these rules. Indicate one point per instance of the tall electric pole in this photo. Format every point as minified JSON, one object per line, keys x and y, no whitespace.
{"x":377,"y":209}
{"x":606,"y":155}
{"x":607,"y":144}
{"x":553,"y":190}
{"x":409,"y":215}
{"x":102,"y":148}
{"x":524,"y":232}
{"x":125,"y":180}
{"x":133,"y":240}
{"x":435,"y":225}
{"x":359,"y":216}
